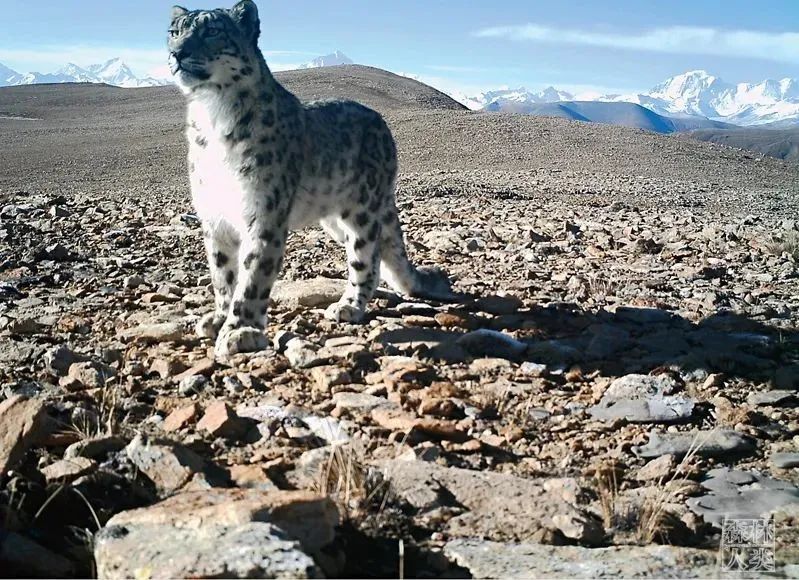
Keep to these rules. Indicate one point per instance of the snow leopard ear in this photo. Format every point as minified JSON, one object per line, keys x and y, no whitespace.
{"x":178,"y":11}
{"x":245,"y":14}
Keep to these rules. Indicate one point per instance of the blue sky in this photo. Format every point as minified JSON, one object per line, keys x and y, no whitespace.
{"x":608,"y":45}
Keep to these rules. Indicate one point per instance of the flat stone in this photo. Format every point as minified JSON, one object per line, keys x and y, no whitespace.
{"x":772,"y":398}
{"x":181,"y":417}
{"x":741,"y":495}
{"x":485,"y":559}
{"x":154,"y":333}
{"x":644,"y":316}
{"x":396,"y":419}
{"x":497,"y":305}
{"x":499,"y":506}
{"x":203,"y":367}
{"x":785,"y":460}
{"x":643,"y":399}
{"x":95,"y":447}
{"x":491,"y":343}
{"x":360,"y":401}
{"x":66,"y":470}
{"x":307,"y":517}
{"x":315,"y":293}
{"x":23,"y":422}
{"x":716,"y":443}
{"x":252,"y":550}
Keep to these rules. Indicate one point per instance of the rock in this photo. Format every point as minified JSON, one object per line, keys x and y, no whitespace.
{"x":658,"y":469}
{"x":168,"y":465}
{"x":303,"y":354}
{"x":498,"y":506}
{"x":644,"y":316}
{"x":397,"y":420}
{"x":132,"y":282}
{"x":714,"y":443}
{"x":95,"y":447}
{"x":532,"y":369}
{"x":22,"y":557}
{"x":582,"y":527}
{"x":486,"y":559}
{"x":252,"y":550}
{"x":154,"y":333}
{"x":643,"y":399}
{"x":251,"y":476}
{"x":204,"y":367}
{"x":360,"y":402}
{"x":772,"y":398}
{"x":785,"y":460}
{"x":328,"y":376}
{"x":497,"y":305}
{"x":86,"y":375}
{"x":23,"y":422}
{"x":491,"y":343}
{"x":166,"y":368}
{"x":316,"y":293}
{"x":305,"y":516}
{"x":741,"y":495}
{"x":58,"y":359}
{"x":192,"y":385}
{"x":179,"y":418}
{"x":66,"y":470}
{"x":221,"y":421}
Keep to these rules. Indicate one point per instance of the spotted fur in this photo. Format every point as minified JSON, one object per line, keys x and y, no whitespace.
{"x":262,"y":163}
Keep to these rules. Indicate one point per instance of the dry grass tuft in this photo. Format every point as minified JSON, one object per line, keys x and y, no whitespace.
{"x":786,"y":243}
{"x":654,"y":519}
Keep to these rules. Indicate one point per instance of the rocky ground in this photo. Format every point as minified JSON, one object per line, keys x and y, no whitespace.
{"x":620,"y":373}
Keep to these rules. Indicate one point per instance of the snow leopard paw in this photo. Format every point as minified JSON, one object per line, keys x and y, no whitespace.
{"x":237,"y":340}
{"x":344,"y":312}
{"x":209,"y":325}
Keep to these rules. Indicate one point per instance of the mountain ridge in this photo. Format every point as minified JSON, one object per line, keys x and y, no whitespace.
{"x":694,"y":94}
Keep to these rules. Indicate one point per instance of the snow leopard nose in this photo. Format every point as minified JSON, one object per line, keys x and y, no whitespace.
{"x":180,"y":54}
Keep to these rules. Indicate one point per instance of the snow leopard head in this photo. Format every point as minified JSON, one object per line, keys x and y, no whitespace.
{"x":213,"y":47}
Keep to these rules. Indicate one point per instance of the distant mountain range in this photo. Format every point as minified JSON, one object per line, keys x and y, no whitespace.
{"x":112,"y":72}
{"x":115,"y":72}
{"x":694,"y":95}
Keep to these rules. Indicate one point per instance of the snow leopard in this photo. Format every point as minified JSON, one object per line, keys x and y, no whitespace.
{"x":262,"y":163}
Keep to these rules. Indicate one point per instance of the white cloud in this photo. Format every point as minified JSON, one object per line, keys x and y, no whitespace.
{"x":777,"y":46}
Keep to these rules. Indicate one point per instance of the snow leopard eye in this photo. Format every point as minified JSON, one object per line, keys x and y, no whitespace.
{"x":211,"y":32}
{"x":174,"y":32}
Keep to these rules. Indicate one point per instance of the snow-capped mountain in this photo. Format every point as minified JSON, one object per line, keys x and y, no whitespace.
{"x":333,"y":59}
{"x":692,"y":94}
{"x":112,"y":72}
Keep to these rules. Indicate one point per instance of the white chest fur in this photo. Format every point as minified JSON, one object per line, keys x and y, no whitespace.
{"x":217,"y":191}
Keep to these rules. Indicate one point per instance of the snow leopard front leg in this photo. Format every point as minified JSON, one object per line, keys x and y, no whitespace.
{"x":260,"y":259}
{"x":360,"y":234}
{"x":222,"y":249}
